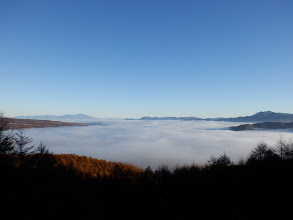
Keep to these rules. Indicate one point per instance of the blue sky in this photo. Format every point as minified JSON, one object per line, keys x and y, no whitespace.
{"x":125,"y":58}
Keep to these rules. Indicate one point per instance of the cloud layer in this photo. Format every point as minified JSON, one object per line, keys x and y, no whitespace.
{"x":154,"y":143}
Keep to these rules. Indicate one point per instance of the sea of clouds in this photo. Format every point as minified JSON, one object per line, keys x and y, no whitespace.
{"x":155,"y":143}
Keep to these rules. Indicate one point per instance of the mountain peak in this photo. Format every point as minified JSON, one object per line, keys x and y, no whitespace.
{"x":264,"y":113}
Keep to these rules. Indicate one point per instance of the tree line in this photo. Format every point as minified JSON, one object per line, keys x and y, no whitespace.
{"x":18,"y":142}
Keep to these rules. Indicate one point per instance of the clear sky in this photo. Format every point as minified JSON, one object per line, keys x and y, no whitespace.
{"x":125,"y":58}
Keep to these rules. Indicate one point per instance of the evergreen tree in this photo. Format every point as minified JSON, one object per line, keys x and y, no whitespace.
{"x":20,"y":143}
{"x":221,"y":161}
{"x":6,"y":140}
{"x":42,"y":149}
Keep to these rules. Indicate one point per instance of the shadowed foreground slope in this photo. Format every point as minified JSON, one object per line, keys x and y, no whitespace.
{"x":73,"y":187}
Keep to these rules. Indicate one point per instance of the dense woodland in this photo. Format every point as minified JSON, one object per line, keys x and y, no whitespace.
{"x":37,"y":184}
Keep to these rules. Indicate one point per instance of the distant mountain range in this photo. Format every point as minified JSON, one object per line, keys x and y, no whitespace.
{"x":263,"y":125}
{"x":171,"y":118}
{"x":266,"y":116}
{"x":77,"y":117}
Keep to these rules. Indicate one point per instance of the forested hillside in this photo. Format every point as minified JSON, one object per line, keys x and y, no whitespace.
{"x":48,"y":186}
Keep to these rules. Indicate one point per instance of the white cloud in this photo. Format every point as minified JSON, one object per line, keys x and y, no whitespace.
{"x":155,"y":143}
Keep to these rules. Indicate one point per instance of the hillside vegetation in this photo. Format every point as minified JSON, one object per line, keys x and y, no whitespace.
{"x":49,"y":186}
{"x":264,"y":125}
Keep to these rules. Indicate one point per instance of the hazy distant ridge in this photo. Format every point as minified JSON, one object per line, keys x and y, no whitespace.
{"x":266,"y":116}
{"x":171,"y":118}
{"x":62,"y":117}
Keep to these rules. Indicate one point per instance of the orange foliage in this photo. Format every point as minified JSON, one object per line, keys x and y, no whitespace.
{"x":94,"y":168}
